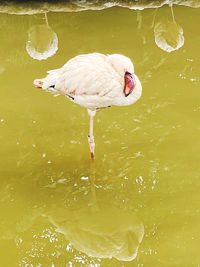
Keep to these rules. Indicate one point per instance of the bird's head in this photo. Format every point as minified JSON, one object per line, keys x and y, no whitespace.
{"x":124,"y":67}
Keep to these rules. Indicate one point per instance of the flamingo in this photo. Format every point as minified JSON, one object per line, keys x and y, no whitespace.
{"x":95,"y":81}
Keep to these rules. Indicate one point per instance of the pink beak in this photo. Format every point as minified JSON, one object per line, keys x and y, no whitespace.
{"x":129,"y":83}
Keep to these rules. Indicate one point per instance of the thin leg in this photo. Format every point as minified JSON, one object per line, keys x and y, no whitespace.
{"x":91,"y":138}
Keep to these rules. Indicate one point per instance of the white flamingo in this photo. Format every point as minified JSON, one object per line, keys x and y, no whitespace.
{"x":95,"y":81}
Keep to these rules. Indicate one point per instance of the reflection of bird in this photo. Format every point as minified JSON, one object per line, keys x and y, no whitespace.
{"x":105,"y":233}
{"x":95,"y":81}
{"x":98,"y":228}
{"x":42,"y":41}
{"x":168,"y":34}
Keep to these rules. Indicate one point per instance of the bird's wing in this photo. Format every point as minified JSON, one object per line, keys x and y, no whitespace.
{"x":86,"y":75}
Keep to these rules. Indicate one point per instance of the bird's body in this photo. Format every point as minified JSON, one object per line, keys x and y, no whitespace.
{"x":95,"y":81}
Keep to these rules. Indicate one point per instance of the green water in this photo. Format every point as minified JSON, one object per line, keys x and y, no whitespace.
{"x":140,"y":198}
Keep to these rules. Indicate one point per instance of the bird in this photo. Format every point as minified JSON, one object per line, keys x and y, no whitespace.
{"x":94,"y":81}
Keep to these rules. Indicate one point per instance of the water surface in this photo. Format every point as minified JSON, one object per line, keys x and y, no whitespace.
{"x":138,"y":204}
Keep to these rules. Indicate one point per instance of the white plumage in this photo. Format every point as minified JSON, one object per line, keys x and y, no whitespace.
{"x":95,"y":81}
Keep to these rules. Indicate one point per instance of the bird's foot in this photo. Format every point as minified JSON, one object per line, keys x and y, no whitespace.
{"x":91,"y":145}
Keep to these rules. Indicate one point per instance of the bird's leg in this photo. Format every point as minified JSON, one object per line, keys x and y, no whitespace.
{"x":91,"y":138}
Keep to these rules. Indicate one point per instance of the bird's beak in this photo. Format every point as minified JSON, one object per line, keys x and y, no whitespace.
{"x":129,"y":83}
{"x":127,"y":93}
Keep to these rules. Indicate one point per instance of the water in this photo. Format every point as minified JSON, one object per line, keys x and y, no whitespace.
{"x":139,"y":201}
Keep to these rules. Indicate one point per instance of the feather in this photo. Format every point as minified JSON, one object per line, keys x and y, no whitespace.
{"x":93,"y":80}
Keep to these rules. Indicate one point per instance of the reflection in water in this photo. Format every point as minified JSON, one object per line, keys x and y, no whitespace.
{"x":2,"y":69}
{"x":99,"y":230}
{"x":92,"y":223}
{"x":105,"y":233}
{"x":42,"y":41}
{"x":168,"y":34}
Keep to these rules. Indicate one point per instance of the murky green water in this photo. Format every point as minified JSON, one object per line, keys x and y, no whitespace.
{"x":140,"y":198}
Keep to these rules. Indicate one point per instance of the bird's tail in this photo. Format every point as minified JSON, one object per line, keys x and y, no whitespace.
{"x":49,"y":82}
{"x":38,"y":83}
